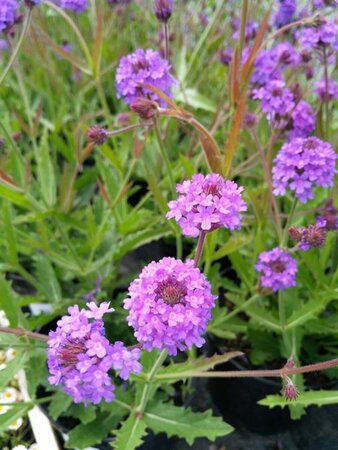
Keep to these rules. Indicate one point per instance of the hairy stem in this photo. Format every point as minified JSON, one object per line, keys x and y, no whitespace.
{"x":24,"y":333}
{"x":199,"y":248}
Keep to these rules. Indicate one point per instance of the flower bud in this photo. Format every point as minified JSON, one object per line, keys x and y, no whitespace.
{"x":97,"y":134}
{"x":296,"y":233}
{"x":146,"y":109}
{"x":163,"y":10}
{"x":290,"y":390}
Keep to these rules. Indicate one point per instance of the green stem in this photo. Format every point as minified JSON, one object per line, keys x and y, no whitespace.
{"x":164,"y":154}
{"x":244,"y":16}
{"x":18,"y":45}
{"x":283,"y":324}
{"x":242,"y":307}
{"x":165,"y":157}
{"x":76,"y":30}
{"x":69,"y":244}
{"x":284,"y":239}
{"x":145,"y":394}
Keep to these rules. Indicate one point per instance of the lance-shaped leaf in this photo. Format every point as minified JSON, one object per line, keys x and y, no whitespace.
{"x":305,"y":399}
{"x":176,"y":421}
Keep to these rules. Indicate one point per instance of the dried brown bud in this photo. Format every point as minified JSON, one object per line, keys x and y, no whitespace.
{"x":146,"y":109}
{"x":97,"y":134}
{"x":296,"y":234}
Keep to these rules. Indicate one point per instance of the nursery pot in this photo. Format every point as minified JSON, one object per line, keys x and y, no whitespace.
{"x":236,"y":399}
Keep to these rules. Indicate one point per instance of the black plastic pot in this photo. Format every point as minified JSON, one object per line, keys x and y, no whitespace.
{"x":236,"y":399}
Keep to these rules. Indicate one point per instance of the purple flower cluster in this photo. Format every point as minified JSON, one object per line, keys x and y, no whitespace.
{"x":332,"y":90}
{"x":77,"y":6}
{"x":285,"y":13}
{"x":303,"y":121}
{"x":277,"y":269}
{"x":276,"y":102}
{"x":302,"y":164}
{"x":80,"y":356}
{"x":143,"y":67}
{"x":8,"y":9}
{"x":206,"y":203}
{"x":170,"y":305}
{"x":321,"y":35}
{"x":319,"y":4}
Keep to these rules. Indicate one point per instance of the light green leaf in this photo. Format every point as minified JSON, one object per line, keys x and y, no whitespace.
{"x":130,"y":435}
{"x":16,"y":411}
{"x":196,"y":100}
{"x":305,"y":399}
{"x":9,"y":302}
{"x":46,"y":171}
{"x":233,"y":244}
{"x":176,"y":421}
{"x":47,"y":279}
{"x":11,"y":369}
{"x":14,"y":196}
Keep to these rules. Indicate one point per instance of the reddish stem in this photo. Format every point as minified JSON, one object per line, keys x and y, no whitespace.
{"x":199,"y":248}
{"x":24,"y":333}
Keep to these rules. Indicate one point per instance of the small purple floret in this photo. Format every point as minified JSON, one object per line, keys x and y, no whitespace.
{"x":277,"y":269}
{"x":170,"y":305}
{"x":285,"y":13}
{"x":77,"y":6}
{"x":8,"y":10}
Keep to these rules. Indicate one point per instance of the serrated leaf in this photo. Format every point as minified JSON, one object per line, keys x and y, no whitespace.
{"x":187,"y":369}
{"x":130,"y":435}
{"x":12,"y":415}
{"x":176,"y":421}
{"x":84,"y":436}
{"x":14,"y":196}
{"x":48,"y":281}
{"x":59,"y":404}
{"x":233,"y":244}
{"x":319,"y":398}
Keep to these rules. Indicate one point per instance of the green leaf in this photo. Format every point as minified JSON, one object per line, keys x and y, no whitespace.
{"x":11,"y":369}
{"x":305,"y":399}
{"x":46,"y":171}
{"x":264,"y":318}
{"x":48,"y":282}
{"x":14,"y":196}
{"x":10,"y":233}
{"x":196,"y":100}
{"x":180,"y":371}
{"x":59,"y":404}
{"x":130,"y":435}
{"x":84,"y":436}
{"x":85,"y":413}
{"x":176,"y":421}
{"x":233,"y":244}
{"x":9,"y":302}
{"x":16,"y":411}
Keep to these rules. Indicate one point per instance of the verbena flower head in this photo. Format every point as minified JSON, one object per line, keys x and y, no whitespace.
{"x":332,"y":90}
{"x":80,"y":356}
{"x":303,"y":120}
{"x":143,"y":67}
{"x":206,"y":203}
{"x":303,"y":164}
{"x":8,"y":9}
{"x":323,"y":34}
{"x":285,"y":13}
{"x":329,"y":214}
{"x":170,"y":305}
{"x":311,"y":236}
{"x":77,"y":6}
{"x":277,"y":269}
{"x":266,"y":68}
{"x":276,"y":102}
